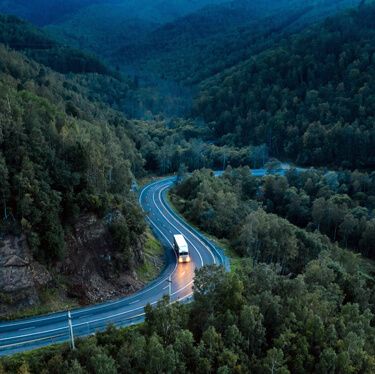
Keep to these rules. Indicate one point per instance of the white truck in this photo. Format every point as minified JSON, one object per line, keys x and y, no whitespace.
{"x":181,"y":248}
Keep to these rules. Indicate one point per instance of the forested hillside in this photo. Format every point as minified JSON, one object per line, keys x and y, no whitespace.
{"x":23,"y":36}
{"x":60,"y":152}
{"x":77,"y":137}
{"x":337,"y":204}
{"x":104,"y":26}
{"x":253,"y":320}
{"x":206,"y":42}
{"x":310,"y":99}
{"x":65,"y":160}
{"x":43,"y":11}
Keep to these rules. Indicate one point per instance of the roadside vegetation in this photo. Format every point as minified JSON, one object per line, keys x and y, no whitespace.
{"x":74,"y":138}
{"x":51,"y":300}
{"x":310,"y":98}
{"x":256,"y":320}
{"x":255,"y":214}
{"x":153,"y":260}
{"x":65,"y":160}
{"x":296,"y":302}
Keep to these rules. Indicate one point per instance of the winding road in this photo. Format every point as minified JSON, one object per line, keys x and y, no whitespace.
{"x":27,"y":334}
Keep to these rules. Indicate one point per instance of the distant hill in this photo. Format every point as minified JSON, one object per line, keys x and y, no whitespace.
{"x":105,"y":84}
{"x":112,"y":28}
{"x":42,"y":12}
{"x":23,"y":36}
{"x":310,"y":98}
{"x":204,"y":43}
{"x":105,"y":26}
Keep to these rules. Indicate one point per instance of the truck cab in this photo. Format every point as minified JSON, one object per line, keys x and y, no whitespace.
{"x":181,"y":248}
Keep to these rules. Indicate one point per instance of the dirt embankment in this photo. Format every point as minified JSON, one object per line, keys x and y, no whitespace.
{"x":91,"y":272}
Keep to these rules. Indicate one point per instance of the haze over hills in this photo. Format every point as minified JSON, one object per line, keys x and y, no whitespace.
{"x":212,"y":85}
{"x":43,"y":12}
{"x":204,"y":43}
{"x":316,"y":86}
{"x":23,"y":36}
{"x":117,"y":22}
{"x":194,"y":40}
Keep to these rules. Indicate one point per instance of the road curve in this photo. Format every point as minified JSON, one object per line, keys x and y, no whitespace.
{"x":21,"y":335}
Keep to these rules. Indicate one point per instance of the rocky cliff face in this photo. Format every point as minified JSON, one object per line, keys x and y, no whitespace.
{"x":20,"y":275}
{"x":93,"y":265}
{"x":92,"y":270}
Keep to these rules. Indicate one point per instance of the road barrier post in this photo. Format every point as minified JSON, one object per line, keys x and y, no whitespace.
{"x":169,"y":280}
{"x":72,"y":344}
{"x":170,"y":286}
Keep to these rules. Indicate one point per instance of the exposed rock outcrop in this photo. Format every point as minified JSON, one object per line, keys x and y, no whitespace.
{"x":20,"y":275}
{"x":94,"y":265}
{"x":91,"y":272}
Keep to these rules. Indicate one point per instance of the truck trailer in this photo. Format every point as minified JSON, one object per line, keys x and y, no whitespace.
{"x":181,"y":248}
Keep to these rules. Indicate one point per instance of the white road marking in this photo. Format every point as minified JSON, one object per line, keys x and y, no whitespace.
{"x":51,"y":337}
{"x":184,"y":226}
{"x":157,"y":207}
{"x":97,"y":307}
{"x":136,"y":301}
{"x":154,"y":190}
{"x":113,"y":315}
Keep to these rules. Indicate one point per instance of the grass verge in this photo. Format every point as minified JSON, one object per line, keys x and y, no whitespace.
{"x":51,"y":300}
{"x":154,"y":259}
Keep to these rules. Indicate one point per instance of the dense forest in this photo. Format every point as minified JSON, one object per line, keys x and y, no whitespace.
{"x":76,"y":135}
{"x":187,"y":41}
{"x":309,"y":99}
{"x":23,"y":36}
{"x":177,"y":144}
{"x":255,"y":320}
{"x":43,"y":11}
{"x":88,"y":157}
{"x":204,"y":43}
{"x":61,"y":154}
{"x":119,"y":22}
{"x":337,"y":204}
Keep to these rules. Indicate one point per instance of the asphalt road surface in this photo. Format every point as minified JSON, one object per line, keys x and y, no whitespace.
{"x":26,"y":334}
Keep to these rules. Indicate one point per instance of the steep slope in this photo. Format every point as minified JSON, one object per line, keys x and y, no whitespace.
{"x":107,"y":85}
{"x":310,"y":99}
{"x":101,"y":28}
{"x":43,"y":12}
{"x":112,"y":27}
{"x":214,"y":38}
{"x":68,"y":224}
{"x":23,"y":36}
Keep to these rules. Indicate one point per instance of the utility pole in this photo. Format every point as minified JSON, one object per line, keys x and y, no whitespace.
{"x":71,"y":330}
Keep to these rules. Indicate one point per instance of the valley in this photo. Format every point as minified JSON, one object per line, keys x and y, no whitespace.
{"x":124,"y":123}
